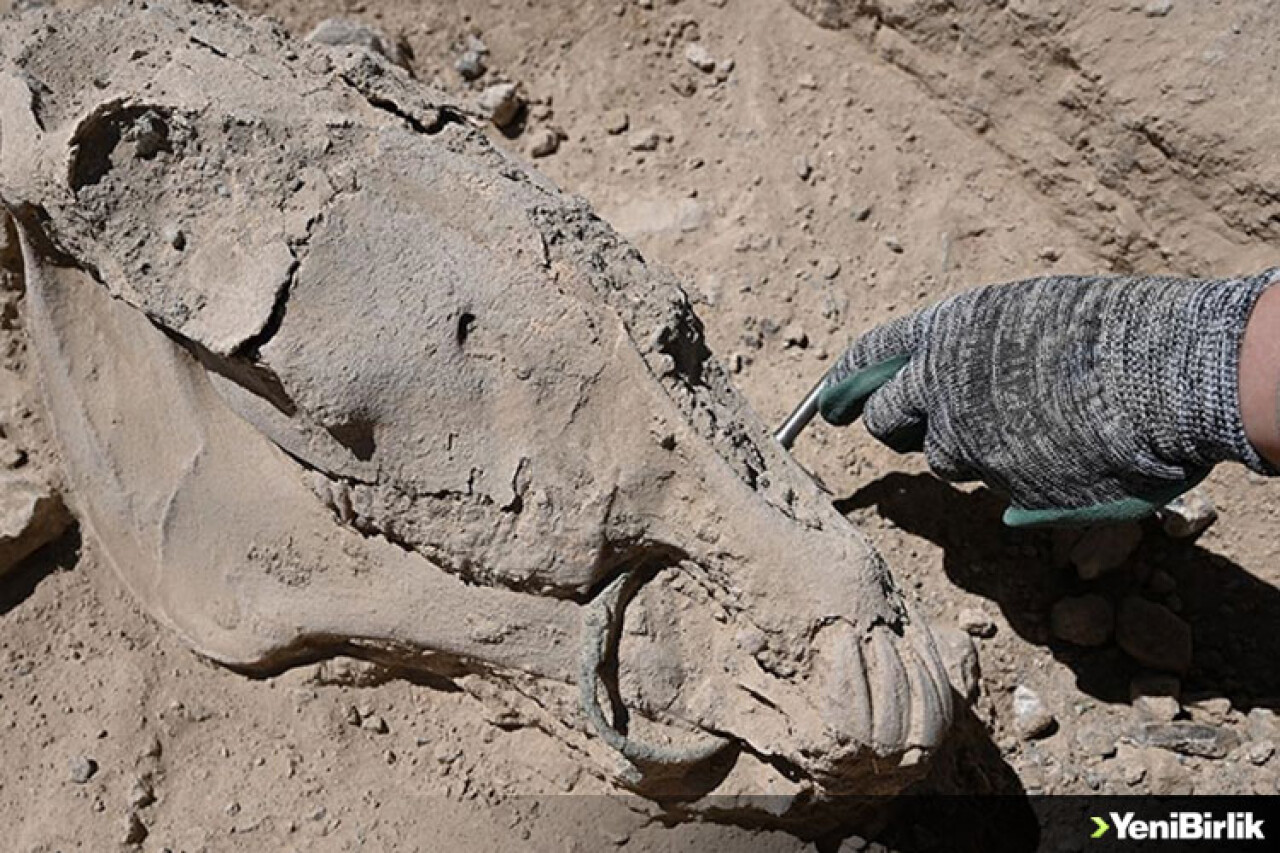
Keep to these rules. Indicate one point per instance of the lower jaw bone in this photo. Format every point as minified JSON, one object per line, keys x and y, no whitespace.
{"x":473,"y":430}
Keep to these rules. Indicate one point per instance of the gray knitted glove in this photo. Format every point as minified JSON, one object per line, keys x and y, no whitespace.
{"x":1084,"y":399}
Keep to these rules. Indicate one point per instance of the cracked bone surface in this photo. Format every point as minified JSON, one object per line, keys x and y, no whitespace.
{"x":330,"y":373}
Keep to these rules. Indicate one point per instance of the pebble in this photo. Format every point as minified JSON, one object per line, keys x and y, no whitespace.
{"x":346,"y":32}
{"x":643,"y":140}
{"x":375,"y":723}
{"x":960,"y":657}
{"x":175,"y":237}
{"x":699,"y":57}
{"x":794,"y":335}
{"x":135,"y":831}
{"x":1157,"y":709}
{"x":501,"y":103}
{"x":31,"y":515}
{"x":1096,"y":742}
{"x":1158,"y":8}
{"x":1100,"y":550}
{"x":1187,"y":738}
{"x":1030,"y":716}
{"x":1153,"y":635}
{"x":470,"y":65}
{"x":544,"y":142}
{"x":853,"y":844}
{"x":1260,"y":753}
{"x":802,"y":166}
{"x":828,"y":268}
{"x":141,"y":794}
{"x":893,"y":245}
{"x":860,"y":212}
{"x":1085,"y":620}
{"x":1189,"y":515}
{"x":616,"y":122}
{"x":976,"y":623}
{"x":1262,"y":724}
{"x":82,"y":769}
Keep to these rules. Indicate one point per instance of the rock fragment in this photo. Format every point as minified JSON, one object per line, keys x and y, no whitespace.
{"x":1084,"y":620}
{"x":135,"y":831}
{"x":643,"y":140}
{"x":803,"y":168}
{"x":828,"y":267}
{"x":473,"y":62}
{"x":544,"y":143}
{"x":893,"y":244}
{"x":1262,"y":724}
{"x":976,"y":623}
{"x":1261,"y":751}
{"x":699,"y":57}
{"x":1100,"y":550}
{"x":1188,"y":515}
{"x":960,"y":657}
{"x":82,"y":768}
{"x":1031,"y":717}
{"x":1187,"y":738}
{"x":616,"y":122}
{"x":31,"y":515}
{"x":346,"y":32}
{"x":501,"y":104}
{"x":1153,"y":635}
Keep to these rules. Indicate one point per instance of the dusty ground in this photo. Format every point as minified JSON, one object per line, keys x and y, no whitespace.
{"x":829,"y":180}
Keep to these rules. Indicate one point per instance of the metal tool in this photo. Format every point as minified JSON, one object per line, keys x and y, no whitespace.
{"x":799,"y":419}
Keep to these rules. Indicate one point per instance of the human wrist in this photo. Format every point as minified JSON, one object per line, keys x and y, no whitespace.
{"x":1259,"y":377}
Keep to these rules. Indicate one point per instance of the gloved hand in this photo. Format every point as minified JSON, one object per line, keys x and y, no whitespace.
{"x":1085,"y":400}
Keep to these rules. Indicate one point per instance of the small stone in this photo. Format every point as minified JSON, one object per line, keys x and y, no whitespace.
{"x":1157,"y":709}
{"x":794,"y":335}
{"x":1096,"y":742}
{"x":684,"y":85}
{"x":1153,"y":635}
{"x":1030,"y":716}
{"x":174,"y":236}
{"x":976,"y":623}
{"x":1189,"y":515}
{"x":148,"y":133}
{"x":1158,"y":8}
{"x":374,"y":723}
{"x":807,"y":81}
{"x":893,"y":245}
{"x":1260,"y":752}
{"x":544,"y":142}
{"x":352,"y":715}
{"x":960,"y":657}
{"x":616,"y":122}
{"x":643,"y":140}
{"x":853,"y":844}
{"x":1262,"y":724}
{"x":802,"y":167}
{"x":82,"y":769}
{"x":699,"y":57}
{"x":828,"y":268}
{"x":345,"y":32}
{"x":860,"y":212}
{"x":1049,"y":253}
{"x":501,"y":103}
{"x":1084,"y":620}
{"x":1102,"y":549}
{"x":135,"y":831}
{"x":470,"y":65}
{"x":1187,"y":738}
{"x":31,"y":515}
{"x":141,"y":794}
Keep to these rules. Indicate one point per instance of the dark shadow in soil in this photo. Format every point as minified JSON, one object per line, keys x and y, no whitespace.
{"x":1233,"y":615}
{"x":59,"y":555}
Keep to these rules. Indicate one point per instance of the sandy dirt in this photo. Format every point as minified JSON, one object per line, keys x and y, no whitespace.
{"x":821,"y":182}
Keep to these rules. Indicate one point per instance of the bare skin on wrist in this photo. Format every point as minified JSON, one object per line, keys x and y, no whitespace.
{"x":1260,"y":376}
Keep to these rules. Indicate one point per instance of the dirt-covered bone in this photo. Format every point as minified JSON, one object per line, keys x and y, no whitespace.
{"x":330,"y":373}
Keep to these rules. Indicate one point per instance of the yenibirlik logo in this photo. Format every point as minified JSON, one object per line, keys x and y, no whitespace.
{"x":1182,"y":826}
